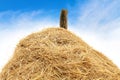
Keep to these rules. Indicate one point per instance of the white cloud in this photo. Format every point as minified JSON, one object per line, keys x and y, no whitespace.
{"x":99,"y":26}
{"x":18,"y":27}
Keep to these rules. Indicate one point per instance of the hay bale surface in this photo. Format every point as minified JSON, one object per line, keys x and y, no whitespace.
{"x":57,"y":54}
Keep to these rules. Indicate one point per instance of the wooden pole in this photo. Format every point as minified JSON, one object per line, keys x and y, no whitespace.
{"x":63,"y":19}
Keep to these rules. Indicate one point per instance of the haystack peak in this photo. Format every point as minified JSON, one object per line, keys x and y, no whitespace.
{"x":57,"y":54}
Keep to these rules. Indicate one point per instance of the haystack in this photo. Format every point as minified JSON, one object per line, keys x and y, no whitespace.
{"x":57,"y":54}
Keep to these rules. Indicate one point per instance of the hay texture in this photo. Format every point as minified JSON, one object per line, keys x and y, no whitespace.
{"x":57,"y":54}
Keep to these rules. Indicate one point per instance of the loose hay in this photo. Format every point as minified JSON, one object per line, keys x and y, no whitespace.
{"x":57,"y":54}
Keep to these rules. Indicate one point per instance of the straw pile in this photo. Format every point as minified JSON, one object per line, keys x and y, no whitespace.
{"x":57,"y":54}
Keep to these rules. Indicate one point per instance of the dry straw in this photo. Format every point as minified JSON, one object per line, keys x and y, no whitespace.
{"x":57,"y":54}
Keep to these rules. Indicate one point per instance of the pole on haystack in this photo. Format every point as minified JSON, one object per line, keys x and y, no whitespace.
{"x":63,"y":19}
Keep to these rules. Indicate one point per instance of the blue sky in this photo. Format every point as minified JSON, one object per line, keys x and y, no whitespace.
{"x":97,"y":22}
{"x":29,"y":5}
